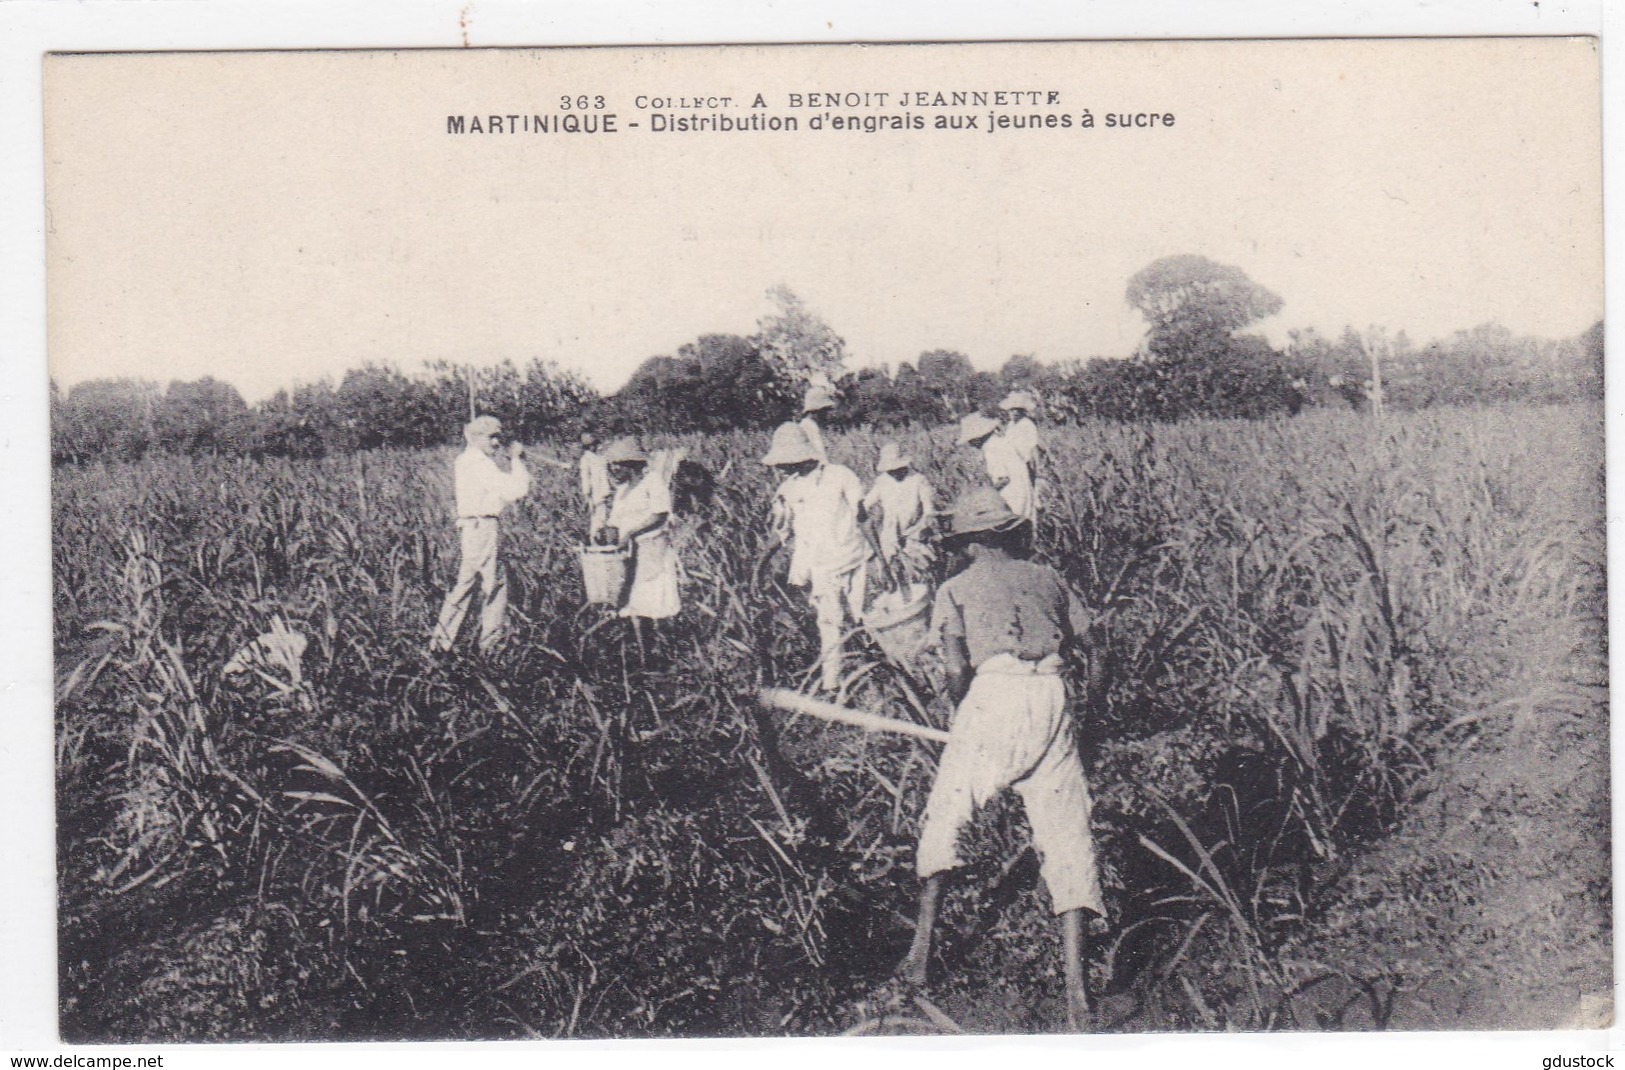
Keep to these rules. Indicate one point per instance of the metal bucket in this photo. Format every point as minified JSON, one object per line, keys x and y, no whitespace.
{"x":603,"y":574}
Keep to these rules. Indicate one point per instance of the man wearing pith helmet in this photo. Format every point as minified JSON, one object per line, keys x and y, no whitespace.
{"x":818,"y":399}
{"x":903,"y":500}
{"x":1006,"y":470}
{"x":483,"y":489}
{"x":638,"y":520}
{"x":818,"y":510}
{"x":1003,"y":624}
{"x":1019,"y":429}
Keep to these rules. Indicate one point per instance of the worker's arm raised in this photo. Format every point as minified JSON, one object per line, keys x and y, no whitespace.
{"x":517,"y":476}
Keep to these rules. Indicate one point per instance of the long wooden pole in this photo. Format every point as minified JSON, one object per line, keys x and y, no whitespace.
{"x":1379,"y":347}
{"x":1376,"y":346}
{"x":794,"y":702}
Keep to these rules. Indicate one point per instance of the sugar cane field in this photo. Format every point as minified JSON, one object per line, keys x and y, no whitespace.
{"x":1342,"y":703}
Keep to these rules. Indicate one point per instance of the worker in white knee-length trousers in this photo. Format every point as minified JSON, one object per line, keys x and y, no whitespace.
{"x":483,"y":489}
{"x":902,"y":500}
{"x":818,"y":510}
{"x":639,"y":515}
{"x":818,"y":399}
{"x":1003,"y":623}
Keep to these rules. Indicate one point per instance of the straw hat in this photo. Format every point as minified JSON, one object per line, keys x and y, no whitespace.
{"x":790,"y":446}
{"x":624,"y":450}
{"x":817,"y":397}
{"x":1019,"y":399}
{"x":892,"y":458}
{"x":976,"y":426}
{"x":981,"y":509}
{"x":481,"y":425}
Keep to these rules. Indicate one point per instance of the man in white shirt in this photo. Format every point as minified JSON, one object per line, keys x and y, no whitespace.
{"x":1006,"y":469}
{"x":818,"y":510}
{"x":482,"y":489}
{"x":1019,"y":427}
{"x":904,"y":502}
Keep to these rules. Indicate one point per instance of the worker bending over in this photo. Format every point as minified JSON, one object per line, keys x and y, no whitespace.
{"x":1003,"y":623}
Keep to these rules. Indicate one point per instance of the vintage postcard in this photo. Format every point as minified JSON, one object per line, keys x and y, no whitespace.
{"x":828,"y":540}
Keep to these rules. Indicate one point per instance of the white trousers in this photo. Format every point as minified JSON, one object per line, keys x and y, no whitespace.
{"x":653,"y":592}
{"x":1011,"y":731}
{"x":479,"y":564}
{"x":836,"y":598}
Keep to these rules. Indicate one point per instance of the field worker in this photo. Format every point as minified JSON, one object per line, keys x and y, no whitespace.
{"x":817,"y":399}
{"x":1003,"y":623}
{"x":1005,"y":468}
{"x":639,"y":514}
{"x":1020,"y":429}
{"x":903,"y":500}
{"x":818,"y":510}
{"x":482,"y":490}
{"x":596,"y":489}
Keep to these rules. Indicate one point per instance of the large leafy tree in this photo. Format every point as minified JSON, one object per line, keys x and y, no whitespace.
{"x":535,"y":402}
{"x":379,"y":406}
{"x":1191,"y":300}
{"x":955,"y":382}
{"x":659,"y":396}
{"x":798,"y":345}
{"x":202,"y":416}
{"x":1024,"y":370}
{"x":1193,"y":362}
{"x":107,"y":418}
{"x":738,"y":386}
{"x":300,"y":423}
{"x":715,"y":383}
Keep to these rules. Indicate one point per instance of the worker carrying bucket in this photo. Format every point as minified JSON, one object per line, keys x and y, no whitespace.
{"x":901,"y":507}
{"x":631,"y":557}
{"x":900,"y":501}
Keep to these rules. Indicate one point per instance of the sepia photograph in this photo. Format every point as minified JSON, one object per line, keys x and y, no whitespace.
{"x":828,"y":540}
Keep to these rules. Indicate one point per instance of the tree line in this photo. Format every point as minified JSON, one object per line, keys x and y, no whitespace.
{"x":1196,"y":360}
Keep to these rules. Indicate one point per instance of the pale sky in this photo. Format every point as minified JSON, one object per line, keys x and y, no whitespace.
{"x":272,"y":218}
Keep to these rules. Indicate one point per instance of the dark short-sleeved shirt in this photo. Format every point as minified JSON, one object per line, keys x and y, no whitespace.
{"x":1007,"y":606}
